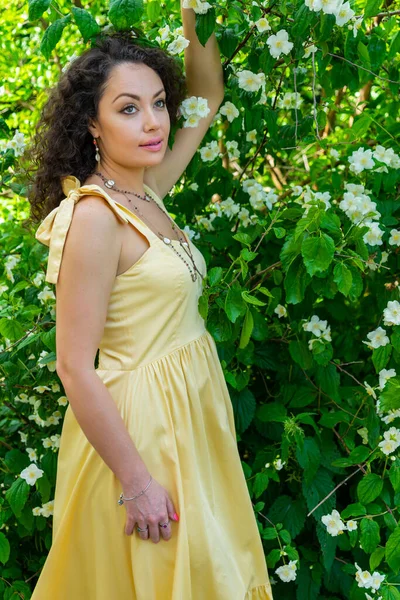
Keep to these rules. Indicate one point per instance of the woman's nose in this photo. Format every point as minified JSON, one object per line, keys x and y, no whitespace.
{"x":151,"y":119}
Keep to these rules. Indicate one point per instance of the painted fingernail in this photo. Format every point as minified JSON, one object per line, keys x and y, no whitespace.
{"x":176,"y":517}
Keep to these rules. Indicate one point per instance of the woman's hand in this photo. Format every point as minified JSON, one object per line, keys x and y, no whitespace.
{"x":151,"y":508}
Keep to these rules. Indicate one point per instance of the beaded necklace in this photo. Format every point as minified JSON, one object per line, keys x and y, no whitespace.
{"x":110,"y":184}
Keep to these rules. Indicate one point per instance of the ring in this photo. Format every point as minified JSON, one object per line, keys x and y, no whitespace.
{"x":145,"y":529}
{"x":164,"y":524}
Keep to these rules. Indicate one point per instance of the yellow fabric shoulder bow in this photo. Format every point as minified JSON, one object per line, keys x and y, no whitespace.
{"x":53,"y":230}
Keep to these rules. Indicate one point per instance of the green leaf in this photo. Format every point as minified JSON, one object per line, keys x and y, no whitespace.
{"x":369,"y":488}
{"x":227,"y":41}
{"x":317,"y":253}
{"x":153,"y":11}
{"x":261,"y":481}
{"x":390,"y":593}
{"x":244,"y":408}
{"x":234,"y":304}
{"x":376,"y":558}
{"x":215,"y":275}
{"x":272,"y":411}
{"x":205,"y":25}
{"x":125,"y":13}
{"x":300,"y":353}
{"x":247,"y":328}
{"x":343,"y":278}
{"x":359,"y":455}
{"x":370,"y":537}
{"x":390,"y":397}
{"x":11,"y":329}
{"x":372,"y":8}
{"x":17,"y":495}
{"x":381,"y":356}
{"x":37,"y":8}
{"x":394,"y":475}
{"x":394,"y":46}
{"x":87,"y":24}
{"x":52,"y":36}
{"x":296,"y":281}
{"x":363,"y":54}
{"x":4,"y":548}
{"x":269,"y":533}
{"x":252,"y":299}
{"x":392,"y":550}
{"x":353,"y":510}
{"x":309,"y":458}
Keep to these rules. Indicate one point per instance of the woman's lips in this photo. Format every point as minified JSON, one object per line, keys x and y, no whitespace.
{"x":153,"y":147}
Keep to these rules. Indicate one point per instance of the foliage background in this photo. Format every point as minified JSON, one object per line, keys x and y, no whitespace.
{"x":306,"y":416}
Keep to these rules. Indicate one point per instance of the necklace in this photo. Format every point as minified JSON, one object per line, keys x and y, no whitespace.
{"x":110,"y":184}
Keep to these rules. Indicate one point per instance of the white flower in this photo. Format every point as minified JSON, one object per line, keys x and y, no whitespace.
{"x":287,"y":572}
{"x":377,"y":338}
{"x":351,"y":525}
{"x":391,"y":313}
{"x":278,"y":464}
{"x":229,"y":110}
{"x":314,"y":5}
{"x":279,"y":43}
{"x":297,"y":190}
{"x":310,"y":50}
{"x":178,"y":45}
{"x":210,"y":151}
{"x":357,"y":22}
{"x":280,"y":311}
{"x":232,"y":148}
{"x":384,"y":376}
{"x":334,"y":153}
{"x":198,"y":6}
{"x":31,"y":474}
{"x":370,"y":391}
{"x":343,"y":14}
{"x":249,"y":81}
{"x":229,"y":207}
{"x":251,"y":136}
{"x":387,"y":446}
{"x":373,"y":237}
{"x":329,"y":7}
{"x":262,"y":25}
{"x":290,"y":100}
{"x":384,"y":155}
{"x":394,"y":239}
{"x":363,"y":578}
{"x":361,"y":159}
{"x":334,"y":524}
{"x":315,"y":325}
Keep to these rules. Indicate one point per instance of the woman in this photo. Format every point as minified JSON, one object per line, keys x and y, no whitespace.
{"x":149,"y":434}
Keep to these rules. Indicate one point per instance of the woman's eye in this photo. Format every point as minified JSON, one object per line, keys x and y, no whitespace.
{"x":132,"y":106}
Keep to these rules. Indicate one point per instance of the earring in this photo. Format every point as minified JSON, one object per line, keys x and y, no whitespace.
{"x":97,"y":155}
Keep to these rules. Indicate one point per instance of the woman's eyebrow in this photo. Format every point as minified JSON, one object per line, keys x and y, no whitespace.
{"x":134,"y":95}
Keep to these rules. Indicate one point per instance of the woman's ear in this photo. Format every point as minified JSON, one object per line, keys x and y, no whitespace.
{"x":93,"y":129}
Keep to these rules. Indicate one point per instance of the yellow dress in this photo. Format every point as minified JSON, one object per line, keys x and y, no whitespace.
{"x":162,"y":369}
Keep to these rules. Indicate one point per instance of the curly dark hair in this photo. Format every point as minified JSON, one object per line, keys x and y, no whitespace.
{"x":62,"y":144}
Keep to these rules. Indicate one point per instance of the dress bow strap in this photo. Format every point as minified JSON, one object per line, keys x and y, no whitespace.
{"x":53,"y":230}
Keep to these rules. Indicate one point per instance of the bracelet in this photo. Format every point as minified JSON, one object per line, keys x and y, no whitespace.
{"x":121,"y":498}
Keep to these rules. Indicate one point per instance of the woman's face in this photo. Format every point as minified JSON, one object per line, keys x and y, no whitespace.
{"x":124,"y":123}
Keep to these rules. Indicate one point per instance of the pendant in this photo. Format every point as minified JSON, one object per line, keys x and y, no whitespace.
{"x":109,"y":183}
{"x":167,"y":240}
{"x":185,"y":244}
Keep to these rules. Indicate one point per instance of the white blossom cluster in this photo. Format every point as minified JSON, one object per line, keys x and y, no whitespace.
{"x":17,"y":143}
{"x":319,"y":328}
{"x":193,"y":109}
{"x":259,"y":198}
{"x":342,"y":10}
{"x":176,"y":39}
{"x":334,"y":524}
{"x":198,"y":6}
{"x":391,"y":316}
{"x":363,"y":159}
{"x":287,"y":572}
{"x":391,"y":441}
{"x":306,"y":197}
{"x":368,"y":581}
{"x":357,"y":204}
{"x":290,"y":100}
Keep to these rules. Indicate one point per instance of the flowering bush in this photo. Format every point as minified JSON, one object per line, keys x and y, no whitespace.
{"x":293,"y":200}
